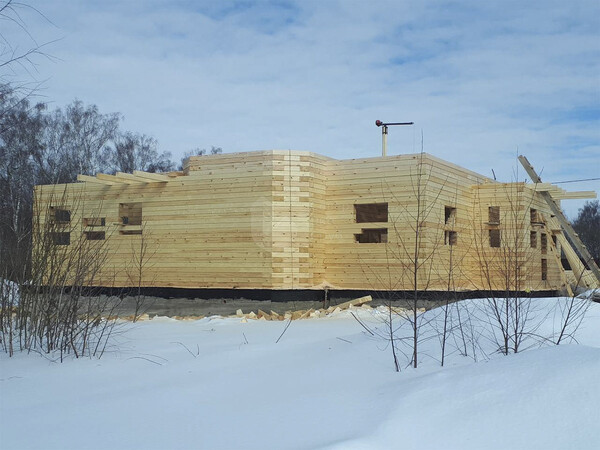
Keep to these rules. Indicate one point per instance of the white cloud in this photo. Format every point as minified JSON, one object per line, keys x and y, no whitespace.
{"x":481,"y":79}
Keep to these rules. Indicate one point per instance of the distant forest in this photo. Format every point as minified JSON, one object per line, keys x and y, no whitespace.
{"x":43,"y":146}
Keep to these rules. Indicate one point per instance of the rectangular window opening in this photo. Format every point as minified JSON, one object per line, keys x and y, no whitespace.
{"x":544,"y":242}
{"x":95,"y":235}
{"x":130,"y":213}
{"x":130,"y":232}
{"x":494,"y":238}
{"x":61,"y":215}
{"x":564,"y":261}
{"x":544,"y":269}
{"x":534,"y":217}
{"x":494,"y":215}
{"x":371,"y":212}
{"x":449,"y":214}
{"x":61,"y":238}
{"x":372,"y":236}
{"x":533,"y":239}
{"x":94,"y":222}
{"x":450,"y":237}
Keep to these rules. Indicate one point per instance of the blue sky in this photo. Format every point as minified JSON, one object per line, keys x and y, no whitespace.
{"x":482,"y":80}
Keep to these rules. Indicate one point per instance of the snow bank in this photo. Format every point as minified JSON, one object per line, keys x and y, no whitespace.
{"x":542,"y":399}
{"x":221,"y":384}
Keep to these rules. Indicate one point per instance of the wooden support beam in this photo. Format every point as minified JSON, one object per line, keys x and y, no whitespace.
{"x":567,"y":227}
{"x":543,"y":187}
{"x":577,"y":266}
{"x":554,"y":252}
{"x":130,"y":177}
{"x":89,"y":179}
{"x":151,"y":176}
{"x":115,"y":179}
{"x":574,"y":195}
{"x":559,"y":193}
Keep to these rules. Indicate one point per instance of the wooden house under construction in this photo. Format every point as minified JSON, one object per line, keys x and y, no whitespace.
{"x":292,"y":220}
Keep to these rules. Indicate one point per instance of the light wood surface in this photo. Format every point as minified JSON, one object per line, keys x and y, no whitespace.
{"x":284,"y":219}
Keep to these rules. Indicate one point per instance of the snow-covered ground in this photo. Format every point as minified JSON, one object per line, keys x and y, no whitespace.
{"x":222,"y":384}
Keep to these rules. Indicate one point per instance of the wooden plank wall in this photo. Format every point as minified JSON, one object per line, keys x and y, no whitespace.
{"x":286,"y":219}
{"x":209,"y":229}
{"x":515,"y":264}
{"x":399,"y":181}
{"x":298,"y":219}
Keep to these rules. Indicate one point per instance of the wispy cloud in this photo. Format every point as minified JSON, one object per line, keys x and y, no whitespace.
{"x":481,"y":80}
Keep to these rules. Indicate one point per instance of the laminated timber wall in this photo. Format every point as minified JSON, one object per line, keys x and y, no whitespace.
{"x":210,"y":228}
{"x":526,"y":239}
{"x":417,"y":189}
{"x":286,"y":219}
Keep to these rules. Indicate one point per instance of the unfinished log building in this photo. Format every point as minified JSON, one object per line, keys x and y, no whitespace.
{"x":292,"y":220}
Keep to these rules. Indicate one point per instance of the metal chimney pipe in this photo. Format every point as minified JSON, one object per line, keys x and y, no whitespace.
{"x":384,"y":132}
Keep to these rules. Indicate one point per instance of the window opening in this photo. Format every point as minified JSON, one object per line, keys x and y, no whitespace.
{"x":544,"y":242}
{"x":494,"y":215}
{"x":450,"y":238}
{"x":533,"y":239}
{"x":95,"y":235}
{"x":94,"y":222}
{"x":130,"y":213}
{"x":130,"y":232}
{"x":534,"y":216}
{"x":61,"y":215}
{"x":372,"y":236}
{"x":449,"y":214}
{"x":61,"y":238}
{"x":494,"y":238}
{"x":371,"y":212}
{"x":544,"y":269}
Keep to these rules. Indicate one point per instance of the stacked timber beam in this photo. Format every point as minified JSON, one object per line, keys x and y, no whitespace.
{"x":292,"y":220}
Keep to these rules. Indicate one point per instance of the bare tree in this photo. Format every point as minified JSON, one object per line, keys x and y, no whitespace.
{"x":199,"y":152}
{"x":410,"y":254}
{"x":587,"y":224}
{"x":20,"y":148}
{"x":13,"y":16}
{"x":141,"y":262}
{"x":77,"y":141}
{"x":51,"y":313}
{"x":134,"y":151}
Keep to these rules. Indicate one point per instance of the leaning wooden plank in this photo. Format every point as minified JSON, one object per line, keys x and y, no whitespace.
{"x":554,"y":251}
{"x":356,"y":302}
{"x":581,"y":248}
{"x":577,"y":266}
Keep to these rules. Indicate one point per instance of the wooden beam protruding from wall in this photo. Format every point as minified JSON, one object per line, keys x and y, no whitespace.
{"x":90,"y":179}
{"x":566,"y":225}
{"x":151,"y":176}
{"x":116,"y":179}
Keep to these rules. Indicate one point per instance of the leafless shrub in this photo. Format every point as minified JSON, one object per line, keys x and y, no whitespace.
{"x":51,"y":314}
{"x":140,"y":263}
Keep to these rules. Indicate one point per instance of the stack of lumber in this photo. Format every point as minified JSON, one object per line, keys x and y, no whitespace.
{"x":304,"y":313}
